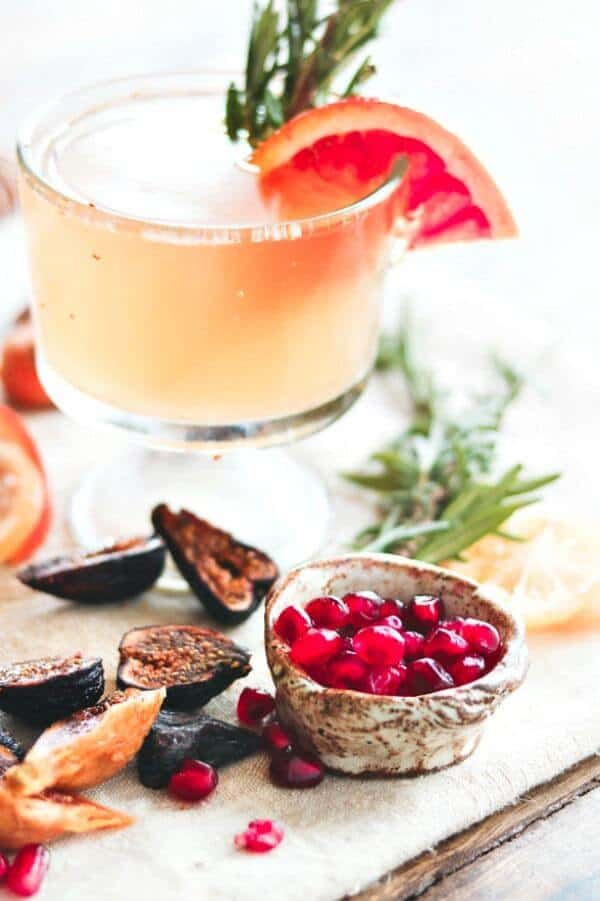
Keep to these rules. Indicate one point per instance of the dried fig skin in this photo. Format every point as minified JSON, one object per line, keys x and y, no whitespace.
{"x":11,"y":752}
{"x":89,"y":747}
{"x":117,"y":573}
{"x":51,"y":688}
{"x":39,"y":819}
{"x":177,"y":735}
{"x":229,"y":577}
{"x":192,"y":663}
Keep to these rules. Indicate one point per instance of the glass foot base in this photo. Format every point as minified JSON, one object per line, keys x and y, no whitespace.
{"x":265,"y":498}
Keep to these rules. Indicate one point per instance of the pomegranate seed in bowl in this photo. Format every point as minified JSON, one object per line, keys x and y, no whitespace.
{"x":364,"y":607}
{"x":291,"y":624}
{"x":482,"y":637}
{"x":328,"y":612}
{"x":379,"y":645}
{"x":317,"y":646}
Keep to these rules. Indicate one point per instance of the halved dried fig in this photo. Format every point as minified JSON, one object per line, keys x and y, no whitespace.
{"x":176,"y":736}
{"x":230,"y":578}
{"x":42,"y":691}
{"x":90,"y":746}
{"x":111,"y":574}
{"x":11,"y":752}
{"x":193,"y":664}
{"x":41,"y":818}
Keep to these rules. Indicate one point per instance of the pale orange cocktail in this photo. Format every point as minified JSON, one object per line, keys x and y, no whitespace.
{"x":166,"y":285}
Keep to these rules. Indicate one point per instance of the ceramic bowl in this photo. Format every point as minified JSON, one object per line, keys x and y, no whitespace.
{"x":357,"y":733}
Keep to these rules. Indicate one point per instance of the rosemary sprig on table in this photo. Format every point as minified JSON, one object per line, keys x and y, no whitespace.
{"x":433,"y":483}
{"x":294,"y":59}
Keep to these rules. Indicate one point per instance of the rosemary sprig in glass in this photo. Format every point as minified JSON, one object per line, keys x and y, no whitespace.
{"x":435,"y":492}
{"x":293,"y":60}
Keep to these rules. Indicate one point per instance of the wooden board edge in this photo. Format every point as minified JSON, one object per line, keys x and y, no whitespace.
{"x":460,"y":850}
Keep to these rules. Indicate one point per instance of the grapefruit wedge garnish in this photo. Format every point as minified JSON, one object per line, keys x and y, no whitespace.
{"x":331,"y":156}
{"x":25,"y":509}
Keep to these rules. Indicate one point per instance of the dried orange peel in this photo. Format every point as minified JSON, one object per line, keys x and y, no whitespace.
{"x":550,"y":577}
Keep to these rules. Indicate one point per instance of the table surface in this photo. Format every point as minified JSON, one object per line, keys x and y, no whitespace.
{"x":520,"y":83}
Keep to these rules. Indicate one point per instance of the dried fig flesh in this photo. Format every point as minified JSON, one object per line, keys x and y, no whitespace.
{"x":90,"y":746}
{"x":31,"y":820}
{"x":177,"y":735}
{"x":106,"y":576}
{"x":42,"y":691}
{"x":230,"y":578}
{"x":192,"y":663}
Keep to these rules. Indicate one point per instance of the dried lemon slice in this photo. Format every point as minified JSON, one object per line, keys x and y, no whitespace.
{"x":550,"y":577}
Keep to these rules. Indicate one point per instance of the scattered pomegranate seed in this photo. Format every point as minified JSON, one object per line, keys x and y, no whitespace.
{"x":364,"y":607}
{"x":347,"y":671}
{"x":291,"y":624}
{"x":379,"y":645}
{"x":443,"y":641}
{"x":3,"y":867}
{"x":328,"y":612}
{"x":26,"y":872}
{"x":482,"y":637}
{"x":390,"y":607}
{"x":276,"y":738}
{"x":296,"y":771}
{"x":413,"y":645}
{"x":316,"y":646}
{"x":466,"y":669}
{"x":393,"y":621}
{"x":426,"y":675}
{"x":386,"y":680}
{"x":253,"y":705}
{"x":259,"y":837}
{"x":194,"y":781}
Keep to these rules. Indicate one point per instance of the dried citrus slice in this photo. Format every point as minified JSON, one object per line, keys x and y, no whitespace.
{"x":327,"y":157}
{"x":25,"y":820}
{"x":550,"y":577}
{"x":90,"y":746}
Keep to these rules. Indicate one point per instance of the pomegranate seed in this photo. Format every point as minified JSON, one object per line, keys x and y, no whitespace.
{"x":363,"y":606}
{"x":3,"y":867}
{"x":425,"y":612}
{"x":493,"y":659}
{"x":259,"y":837}
{"x":455,"y":625}
{"x":426,"y":675}
{"x":319,"y":672}
{"x":379,"y":645}
{"x":385,"y":680}
{"x":445,"y":643}
{"x":194,"y":780}
{"x":296,"y":770}
{"x":391,"y":607}
{"x":253,"y":705}
{"x":482,"y":637}
{"x":413,"y":645}
{"x":466,"y":669}
{"x":291,"y":624}
{"x":347,"y":671}
{"x":328,"y":612}
{"x":394,"y":622}
{"x":316,"y":646}
{"x":26,"y":872}
{"x":276,"y":738}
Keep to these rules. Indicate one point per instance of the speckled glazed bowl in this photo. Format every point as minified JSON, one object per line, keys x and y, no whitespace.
{"x":359,"y":733}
